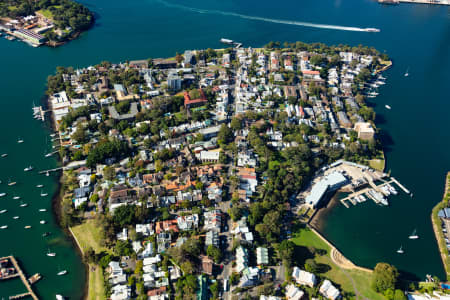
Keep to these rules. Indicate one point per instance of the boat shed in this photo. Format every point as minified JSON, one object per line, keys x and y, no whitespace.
{"x":330,"y":182}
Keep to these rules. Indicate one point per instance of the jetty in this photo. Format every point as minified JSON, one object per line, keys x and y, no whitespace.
{"x":24,"y":279}
{"x":433,"y":2}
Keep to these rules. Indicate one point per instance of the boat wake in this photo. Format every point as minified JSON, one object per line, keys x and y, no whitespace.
{"x":255,"y":18}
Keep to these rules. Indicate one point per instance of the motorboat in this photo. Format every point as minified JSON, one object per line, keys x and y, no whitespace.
{"x":19,"y":140}
{"x":16,"y":197}
{"x":23,"y":205}
{"x":63,"y":272}
{"x":3,"y":211}
{"x":406,"y":73}
{"x":16,"y":217}
{"x":400,"y":251}
{"x":51,"y":254}
{"x":44,"y":194}
{"x":42,"y":221}
{"x":413,"y":235}
{"x":4,"y":155}
{"x":387,"y":106}
{"x":42,"y":209}
{"x":372,"y":30}
{"x":27,"y":169}
{"x":48,"y":154}
{"x":2,"y":194}
{"x":47,"y":174}
{"x":39,"y":185}
{"x":11,"y":183}
{"x":4,"y":227}
{"x":59,"y":297}
{"x":27,"y":227}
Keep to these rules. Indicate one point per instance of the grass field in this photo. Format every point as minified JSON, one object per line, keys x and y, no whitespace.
{"x":353,"y":282}
{"x":377,"y":164}
{"x":88,"y":235}
{"x":46,"y":13}
{"x":96,"y":284}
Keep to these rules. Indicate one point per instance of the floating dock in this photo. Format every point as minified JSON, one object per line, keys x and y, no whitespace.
{"x":24,"y":279}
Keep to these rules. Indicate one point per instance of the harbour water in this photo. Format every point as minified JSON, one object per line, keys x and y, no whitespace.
{"x":415,"y":131}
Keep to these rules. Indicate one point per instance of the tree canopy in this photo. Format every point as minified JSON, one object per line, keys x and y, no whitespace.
{"x":384,"y":277}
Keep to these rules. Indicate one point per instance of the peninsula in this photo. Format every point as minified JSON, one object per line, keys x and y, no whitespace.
{"x":181,"y":175}
{"x":52,"y":23}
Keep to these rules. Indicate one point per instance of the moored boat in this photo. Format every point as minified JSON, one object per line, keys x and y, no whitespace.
{"x":413,"y":235}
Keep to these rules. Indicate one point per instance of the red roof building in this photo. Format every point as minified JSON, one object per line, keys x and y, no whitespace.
{"x":188,"y":102}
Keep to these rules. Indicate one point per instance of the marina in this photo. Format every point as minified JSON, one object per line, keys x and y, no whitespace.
{"x":25,"y":281}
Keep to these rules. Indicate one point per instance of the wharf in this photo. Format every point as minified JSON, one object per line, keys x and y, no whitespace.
{"x":23,"y":278}
{"x":372,"y":186}
{"x":434,"y":2}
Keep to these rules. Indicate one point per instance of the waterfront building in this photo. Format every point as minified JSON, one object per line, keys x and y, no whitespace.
{"x":329,"y":183}
{"x":365,"y":130}
{"x":31,"y":36}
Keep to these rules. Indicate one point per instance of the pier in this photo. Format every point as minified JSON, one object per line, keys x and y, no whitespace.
{"x":372,"y":186}
{"x":20,"y":273}
{"x":51,"y":170}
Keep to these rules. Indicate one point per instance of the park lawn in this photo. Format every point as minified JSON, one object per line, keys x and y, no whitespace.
{"x":305,"y":237}
{"x":96,"y":284}
{"x":377,"y":164}
{"x":88,"y":235}
{"x":46,"y":13}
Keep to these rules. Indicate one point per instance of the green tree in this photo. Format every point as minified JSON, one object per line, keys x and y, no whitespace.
{"x":123,"y":248}
{"x":225,"y":135}
{"x":384,"y":277}
{"x":215,"y":253}
{"x":311,"y":265}
{"x":109,"y":172}
{"x":399,"y":295}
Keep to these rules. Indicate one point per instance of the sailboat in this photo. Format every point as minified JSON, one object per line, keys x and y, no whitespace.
{"x":19,"y":140}
{"x":407,"y":73}
{"x":42,"y":221}
{"x":47,"y":174}
{"x":400,"y":251}
{"x":11,"y":183}
{"x":387,"y":106}
{"x":16,"y":217}
{"x":3,"y":211}
{"x":39,"y":185}
{"x":43,"y":194}
{"x":23,"y":204}
{"x":42,"y":209}
{"x":4,"y":227}
{"x":28,"y":169}
{"x":16,"y":197}
{"x":414,"y":235}
{"x":2,"y":194}
{"x":51,"y":254}
{"x":4,"y":155}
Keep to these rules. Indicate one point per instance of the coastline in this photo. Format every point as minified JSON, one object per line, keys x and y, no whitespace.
{"x":437,"y":223}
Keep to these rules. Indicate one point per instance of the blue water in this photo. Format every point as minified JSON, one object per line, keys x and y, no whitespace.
{"x":417,"y":140}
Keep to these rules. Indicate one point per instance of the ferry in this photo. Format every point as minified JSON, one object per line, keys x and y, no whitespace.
{"x":4,"y":155}
{"x":400,"y":251}
{"x":28,"y":169}
{"x":42,"y":221}
{"x":3,"y":211}
{"x":413,"y":235}
{"x":372,"y":30}
{"x":63,"y":272}
{"x":4,"y":227}
{"x":387,"y":106}
{"x":27,"y":227}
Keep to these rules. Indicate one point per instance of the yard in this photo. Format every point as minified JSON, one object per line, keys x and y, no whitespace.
{"x":96,"y":284}
{"x":353,"y":282}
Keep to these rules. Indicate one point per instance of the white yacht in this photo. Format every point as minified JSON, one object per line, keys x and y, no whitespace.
{"x":3,"y":211}
{"x":4,"y":155}
{"x":16,"y":197}
{"x":19,"y":140}
{"x":387,"y":106}
{"x":51,"y":254}
{"x":23,"y":205}
{"x":39,"y":185}
{"x":2,"y":194}
{"x":27,"y":169}
{"x":400,"y":251}
{"x":16,"y":217}
{"x":42,"y":221}
{"x":42,"y":209}
{"x":4,"y":227}
{"x":63,"y":272}
{"x":44,"y":194}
